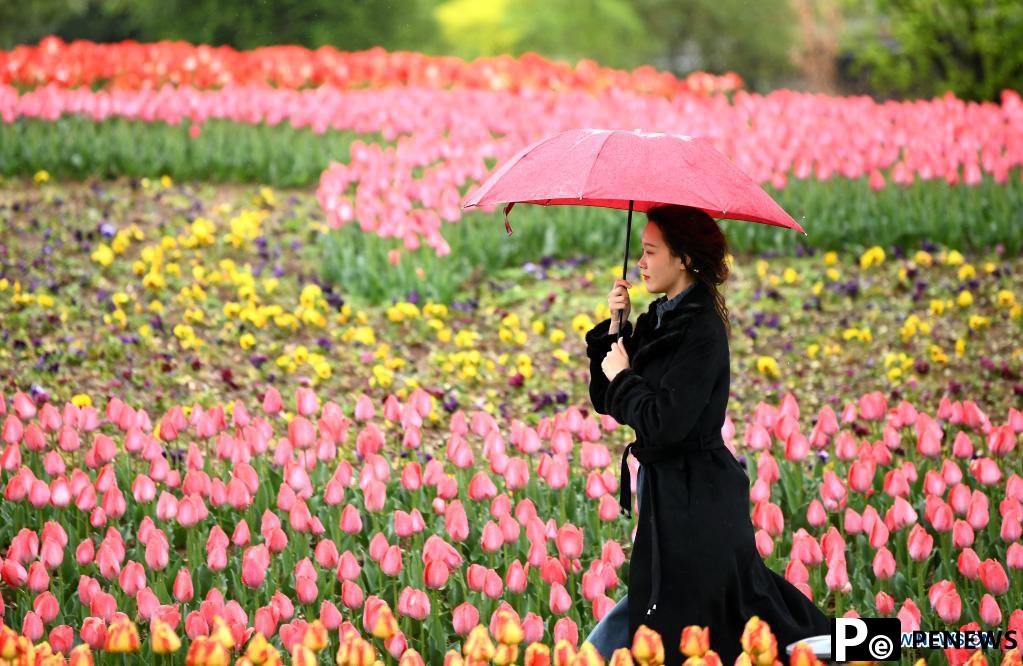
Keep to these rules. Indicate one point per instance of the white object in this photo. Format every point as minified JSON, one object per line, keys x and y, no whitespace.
{"x":820,"y":644}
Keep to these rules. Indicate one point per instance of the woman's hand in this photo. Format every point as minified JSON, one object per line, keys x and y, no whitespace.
{"x":618,"y":300}
{"x":616,"y":360}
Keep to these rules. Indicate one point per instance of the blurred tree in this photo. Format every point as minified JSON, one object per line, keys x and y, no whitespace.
{"x":928,"y":47}
{"x":609,"y":31}
{"x":23,"y":22}
{"x":349,"y":25}
{"x":816,"y":50}
{"x":753,"y":39}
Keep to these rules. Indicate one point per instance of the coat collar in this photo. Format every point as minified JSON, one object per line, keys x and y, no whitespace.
{"x":673,"y":324}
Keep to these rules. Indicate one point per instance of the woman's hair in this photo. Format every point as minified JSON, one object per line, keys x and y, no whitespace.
{"x":691,"y":232}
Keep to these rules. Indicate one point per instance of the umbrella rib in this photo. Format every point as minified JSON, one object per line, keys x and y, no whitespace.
{"x":596,"y":158}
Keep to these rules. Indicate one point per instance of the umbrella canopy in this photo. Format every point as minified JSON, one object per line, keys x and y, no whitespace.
{"x":633,"y":170}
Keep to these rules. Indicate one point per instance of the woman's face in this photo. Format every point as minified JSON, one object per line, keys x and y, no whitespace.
{"x":661,"y":271}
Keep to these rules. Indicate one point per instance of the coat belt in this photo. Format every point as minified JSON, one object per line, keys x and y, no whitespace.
{"x":648,"y":457}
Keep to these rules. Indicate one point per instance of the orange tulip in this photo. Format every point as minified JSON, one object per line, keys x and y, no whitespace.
{"x":478,"y":645}
{"x":802,"y":655}
{"x":743,"y":659}
{"x":8,"y":642}
{"x":759,"y":642}
{"x":509,"y":629}
{"x":315,"y":636}
{"x":163,"y":639}
{"x":537,"y":654}
{"x":356,"y":652}
{"x":258,"y":648}
{"x":385,"y":626}
{"x":221,"y":633}
{"x":695,"y":641}
{"x":505,"y":654}
{"x":563,"y":653}
{"x":708,"y":658}
{"x":621,"y":657}
{"x":452,"y":658}
{"x":122,"y":636}
{"x":588,"y":656}
{"x":411,"y":658}
{"x":81,"y":655}
{"x":302,"y":656}
{"x":647,"y":647}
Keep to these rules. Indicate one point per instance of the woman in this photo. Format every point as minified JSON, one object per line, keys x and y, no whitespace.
{"x":694,"y":560}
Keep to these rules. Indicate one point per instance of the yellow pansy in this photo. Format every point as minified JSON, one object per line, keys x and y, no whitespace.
{"x":967,"y":272}
{"x":979,"y":321}
{"x":812,"y":350}
{"x":81,"y":400}
{"x":1005,"y":298}
{"x":766,"y":365}
{"x":874,"y":256}
{"x":937,"y":306}
{"x":556,"y":336}
{"x":247,"y":340}
{"x":964,"y":299}
{"x":960,"y":347}
{"x":830,"y":258}
{"x":954,"y":258}
{"x":922,"y":258}
{"x":41,"y":176}
{"x":103,"y":255}
{"x":582,"y":323}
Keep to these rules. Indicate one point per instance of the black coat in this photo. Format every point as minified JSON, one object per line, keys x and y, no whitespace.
{"x":694,"y":560}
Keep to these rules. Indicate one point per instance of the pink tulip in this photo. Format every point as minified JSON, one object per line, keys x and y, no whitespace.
{"x":884,"y":564}
{"x":949,"y":606}
{"x":517,"y":577}
{"x":559,"y":601}
{"x":569,"y":541}
{"x":435,"y":574}
{"x":990,"y":613}
{"x":305,"y":589}
{"x":920,"y":543}
{"x":265,"y":621}
{"x":46,"y":607}
{"x":391,"y":561}
{"x":38,"y":578}
{"x":351,"y":595}
{"x":330,"y":615}
{"x":61,"y":637}
{"x":414,"y":603}
{"x":884,"y":603}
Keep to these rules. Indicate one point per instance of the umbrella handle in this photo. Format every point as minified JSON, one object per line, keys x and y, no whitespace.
{"x":625,"y":264}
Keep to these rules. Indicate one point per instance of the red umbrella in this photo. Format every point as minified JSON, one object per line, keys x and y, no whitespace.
{"x":634,"y":170}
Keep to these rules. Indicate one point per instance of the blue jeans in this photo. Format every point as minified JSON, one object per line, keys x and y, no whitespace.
{"x":612,"y":632}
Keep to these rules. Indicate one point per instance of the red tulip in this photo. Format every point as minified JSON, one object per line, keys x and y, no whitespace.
{"x":993,"y":576}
